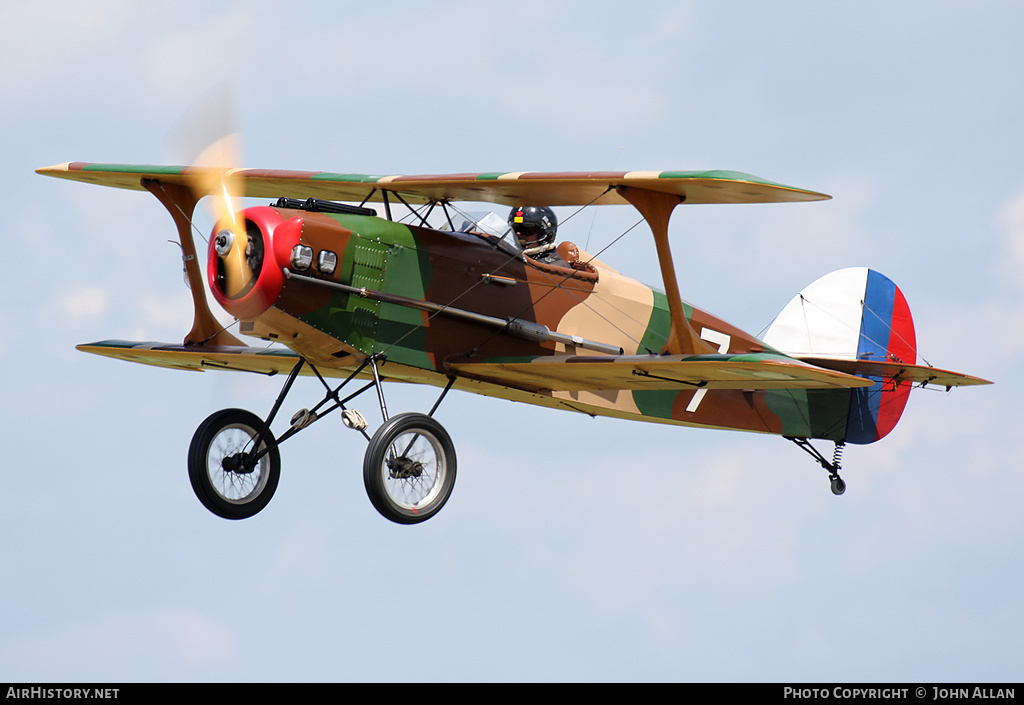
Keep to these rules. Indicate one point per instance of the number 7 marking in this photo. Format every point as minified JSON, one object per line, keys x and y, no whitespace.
{"x":715,"y":338}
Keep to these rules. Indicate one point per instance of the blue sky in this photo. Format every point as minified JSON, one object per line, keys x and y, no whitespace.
{"x":572,"y":548}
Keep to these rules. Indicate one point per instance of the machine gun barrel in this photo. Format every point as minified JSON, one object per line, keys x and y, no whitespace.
{"x":514,"y":326}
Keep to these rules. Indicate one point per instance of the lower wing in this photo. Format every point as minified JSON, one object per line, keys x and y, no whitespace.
{"x":268,"y":361}
{"x":577,"y":373}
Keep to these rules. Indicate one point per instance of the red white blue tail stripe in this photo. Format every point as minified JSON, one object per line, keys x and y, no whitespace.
{"x":855,"y":313}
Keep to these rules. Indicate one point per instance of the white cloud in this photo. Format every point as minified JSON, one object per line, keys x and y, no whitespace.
{"x":86,"y":302}
{"x":1011,"y":221}
{"x":162,"y":644}
{"x":44,"y":39}
{"x":167,"y":313}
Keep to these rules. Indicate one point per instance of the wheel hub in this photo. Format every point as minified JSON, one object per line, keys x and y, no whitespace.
{"x":239,"y":463}
{"x":403,"y":468}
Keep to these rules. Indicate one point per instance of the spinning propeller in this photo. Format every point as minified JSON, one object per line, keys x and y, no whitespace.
{"x":208,"y":142}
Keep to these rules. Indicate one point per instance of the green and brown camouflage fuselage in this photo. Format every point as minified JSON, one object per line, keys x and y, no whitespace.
{"x":471,"y":272}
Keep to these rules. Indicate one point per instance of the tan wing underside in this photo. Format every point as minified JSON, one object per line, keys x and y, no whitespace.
{"x":561,"y":373}
{"x":196,"y":357}
{"x":575,"y":373}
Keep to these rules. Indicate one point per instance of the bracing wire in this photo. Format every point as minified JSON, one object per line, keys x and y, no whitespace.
{"x":557,"y":281}
{"x":806,"y":303}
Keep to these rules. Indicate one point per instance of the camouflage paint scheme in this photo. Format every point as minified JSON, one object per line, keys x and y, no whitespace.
{"x":447,"y":268}
{"x":336,"y":330}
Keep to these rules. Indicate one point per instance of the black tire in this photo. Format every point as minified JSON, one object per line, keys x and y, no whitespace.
{"x":227,"y":492}
{"x":409,"y":468}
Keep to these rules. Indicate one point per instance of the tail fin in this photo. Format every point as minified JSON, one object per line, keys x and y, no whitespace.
{"x":848,"y":315}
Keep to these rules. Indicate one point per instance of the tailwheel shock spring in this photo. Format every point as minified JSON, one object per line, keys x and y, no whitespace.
{"x":837,"y":483}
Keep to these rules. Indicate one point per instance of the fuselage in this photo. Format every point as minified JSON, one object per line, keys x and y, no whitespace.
{"x":336,"y":287}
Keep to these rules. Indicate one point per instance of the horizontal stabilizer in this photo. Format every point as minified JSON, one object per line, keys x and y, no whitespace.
{"x":577,"y":373}
{"x":915,"y":374}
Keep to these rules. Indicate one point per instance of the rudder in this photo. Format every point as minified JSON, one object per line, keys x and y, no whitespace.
{"x":853,"y":314}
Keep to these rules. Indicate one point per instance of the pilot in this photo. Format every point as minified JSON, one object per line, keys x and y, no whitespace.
{"x":535,"y":228}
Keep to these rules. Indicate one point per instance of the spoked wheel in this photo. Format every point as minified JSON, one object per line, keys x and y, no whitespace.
{"x":225,"y":476}
{"x":409,"y":468}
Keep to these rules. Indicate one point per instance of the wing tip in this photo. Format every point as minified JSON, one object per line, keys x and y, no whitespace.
{"x":55,"y":170}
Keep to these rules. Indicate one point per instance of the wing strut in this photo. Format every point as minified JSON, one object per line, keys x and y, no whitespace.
{"x":181,"y":202}
{"x":656,"y":208}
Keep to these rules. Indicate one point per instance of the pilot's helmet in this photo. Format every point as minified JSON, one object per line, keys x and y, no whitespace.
{"x":534,"y":226}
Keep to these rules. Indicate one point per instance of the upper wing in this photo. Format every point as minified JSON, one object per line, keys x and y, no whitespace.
{"x":578,"y":373}
{"x":514,"y":188}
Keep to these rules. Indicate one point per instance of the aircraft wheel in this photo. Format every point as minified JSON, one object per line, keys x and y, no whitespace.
{"x":223,"y":478}
{"x":838,"y":485}
{"x":409,"y":468}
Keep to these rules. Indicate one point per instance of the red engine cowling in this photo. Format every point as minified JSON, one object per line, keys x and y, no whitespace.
{"x":246,"y":260}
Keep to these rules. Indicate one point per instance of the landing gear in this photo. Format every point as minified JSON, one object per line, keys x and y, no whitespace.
{"x":838,"y":485}
{"x":408,"y":470}
{"x":233,"y":464}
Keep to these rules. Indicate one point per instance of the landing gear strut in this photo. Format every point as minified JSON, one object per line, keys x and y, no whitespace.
{"x":838,"y":485}
{"x":408,"y":470}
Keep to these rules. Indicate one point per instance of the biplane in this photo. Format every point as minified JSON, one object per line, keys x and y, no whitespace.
{"x":337,"y":291}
